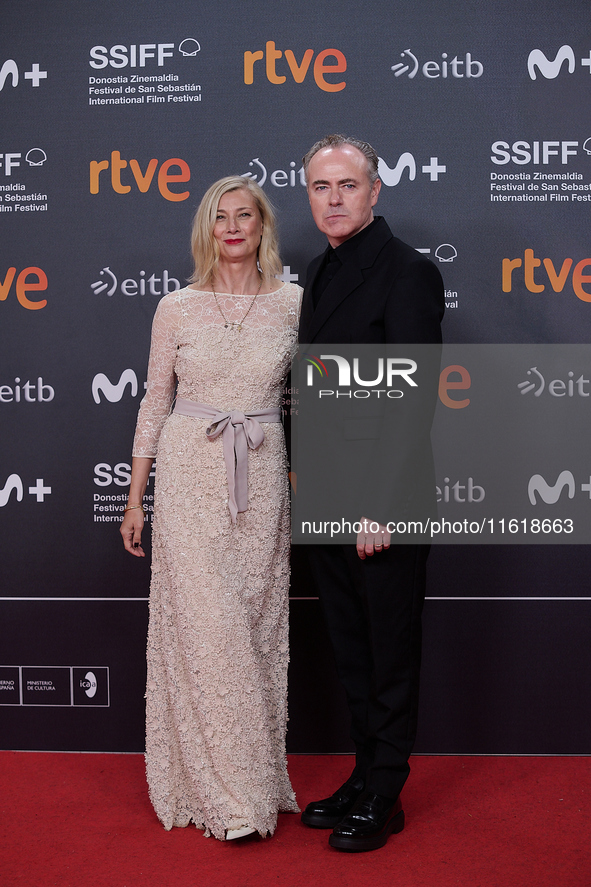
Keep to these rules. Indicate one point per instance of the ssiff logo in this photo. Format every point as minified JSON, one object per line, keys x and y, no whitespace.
{"x":538,"y":62}
{"x":10,"y":161}
{"x":105,"y":475}
{"x":138,"y":55}
{"x":521,"y":152}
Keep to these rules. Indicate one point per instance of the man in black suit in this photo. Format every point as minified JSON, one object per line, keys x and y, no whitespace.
{"x":369,"y":287}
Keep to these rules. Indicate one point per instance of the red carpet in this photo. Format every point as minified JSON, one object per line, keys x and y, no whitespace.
{"x":80,"y":820}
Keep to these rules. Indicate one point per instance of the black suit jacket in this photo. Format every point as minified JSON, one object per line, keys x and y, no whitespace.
{"x":385,"y":293}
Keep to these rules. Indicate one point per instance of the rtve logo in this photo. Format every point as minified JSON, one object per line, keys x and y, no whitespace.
{"x":298,"y":69}
{"x":538,"y":62}
{"x":454,"y":378}
{"x":557,"y":277}
{"x":143,"y":179}
{"x":23,"y":286}
{"x":11,"y":69}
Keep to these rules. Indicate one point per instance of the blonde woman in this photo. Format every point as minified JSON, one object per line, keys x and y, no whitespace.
{"x":217,"y":642}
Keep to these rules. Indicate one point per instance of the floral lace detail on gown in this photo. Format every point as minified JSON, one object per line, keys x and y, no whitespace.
{"x":217,"y":641}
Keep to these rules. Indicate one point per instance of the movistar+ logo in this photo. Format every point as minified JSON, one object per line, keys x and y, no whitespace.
{"x":113,"y":392}
{"x":538,"y":62}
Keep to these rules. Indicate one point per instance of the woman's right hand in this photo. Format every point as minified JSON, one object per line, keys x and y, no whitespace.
{"x":131,"y":530}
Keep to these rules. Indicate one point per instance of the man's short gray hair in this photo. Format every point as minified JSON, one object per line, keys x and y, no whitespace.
{"x":336,"y":140}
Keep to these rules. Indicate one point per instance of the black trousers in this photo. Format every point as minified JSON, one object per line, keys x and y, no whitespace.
{"x":373,"y":613}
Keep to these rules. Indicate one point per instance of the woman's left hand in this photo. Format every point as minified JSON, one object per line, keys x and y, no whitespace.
{"x":131,"y":531}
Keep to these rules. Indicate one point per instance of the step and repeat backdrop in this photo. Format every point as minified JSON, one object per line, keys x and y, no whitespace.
{"x":115,"y":119}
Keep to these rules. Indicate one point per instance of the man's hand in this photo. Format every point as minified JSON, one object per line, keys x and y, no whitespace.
{"x":372,"y":537}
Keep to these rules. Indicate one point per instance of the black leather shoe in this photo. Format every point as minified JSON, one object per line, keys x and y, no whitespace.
{"x":329,"y":811}
{"x":368,"y":824}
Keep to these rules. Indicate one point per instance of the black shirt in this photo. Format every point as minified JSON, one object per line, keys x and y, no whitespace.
{"x":335,"y":258}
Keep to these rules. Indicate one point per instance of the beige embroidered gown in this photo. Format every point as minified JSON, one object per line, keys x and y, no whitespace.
{"x":217,"y":641}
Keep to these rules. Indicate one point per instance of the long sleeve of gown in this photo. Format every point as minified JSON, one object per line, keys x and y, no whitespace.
{"x":155,"y":406}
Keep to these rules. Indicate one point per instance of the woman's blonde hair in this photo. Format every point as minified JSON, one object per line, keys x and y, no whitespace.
{"x":204,"y":246}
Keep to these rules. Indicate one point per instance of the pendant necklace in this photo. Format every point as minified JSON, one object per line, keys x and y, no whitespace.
{"x":236,"y":324}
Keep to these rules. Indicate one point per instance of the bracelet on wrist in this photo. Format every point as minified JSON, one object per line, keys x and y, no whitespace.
{"x":129,"y":508}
